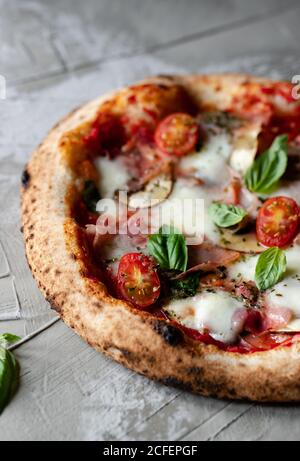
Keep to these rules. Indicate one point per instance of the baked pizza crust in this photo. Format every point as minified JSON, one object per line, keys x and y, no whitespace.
{"x":136,"y":339}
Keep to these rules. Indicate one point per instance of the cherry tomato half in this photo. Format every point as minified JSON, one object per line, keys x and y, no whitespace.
{"x":177,"y":134}
{"x":277,"y":221}
{"x":138,"y":281}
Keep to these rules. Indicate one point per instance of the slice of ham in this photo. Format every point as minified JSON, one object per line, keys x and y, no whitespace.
{"x":144,"y":162}
{"x":276,"y":317}
{"x":237,"y":194}
{"x":266,"y":340}
{"x":239,"y":318}
{"x":208,"y":258}
{"x":207,"y":252}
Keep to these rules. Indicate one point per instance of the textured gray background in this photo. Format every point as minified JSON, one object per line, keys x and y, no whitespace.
{"x":55,"y":55}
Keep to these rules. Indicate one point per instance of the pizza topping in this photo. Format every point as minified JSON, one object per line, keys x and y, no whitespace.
{"x":226,"y":215}
{"x":282,"y":89}
{"x":169,"y":249}
{"x":280,"y":301}
{"x":213,"y":311}
{"x":266,"y":341}
{"x":185,"y":212}
{"x":277,"y":221}
{"x":210,"y":253}
{"x":154,"y":192}
{"x":83,"y":215}
{"x":177,"y":134}
{"x":213,"y":290}
{"x":185,"y":287}
{"x":270,"y":267}
{"x":292,"y":326}
{"x":90,"y":196}
{"x":210,"y":164}
{"x":267,"y":169}
{"x":107,"y":135}
{"x":220,"y":121}
{"x":138,"y":281}
{"x":144,"y":162}
{"x":245,"y":145}
{"x":113,"y":175}
{"x":251,"y":103}
{"x":277,"y":318}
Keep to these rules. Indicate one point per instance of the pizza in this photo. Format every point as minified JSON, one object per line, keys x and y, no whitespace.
{"x":161,"y":222}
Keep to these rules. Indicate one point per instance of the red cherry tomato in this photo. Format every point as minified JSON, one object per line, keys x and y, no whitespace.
{"x":277,"y":221}
{"x":138,"y":281}
{"x":177,"y":134}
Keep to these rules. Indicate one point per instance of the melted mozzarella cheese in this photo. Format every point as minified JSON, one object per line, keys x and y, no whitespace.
{"x":210,"y":164}
{"x":117,"y":246}
{"x":286,"y":293}
{"x":288,"y":189}
{"x":187,"y":209}
{"x":212,"y":311}
{"x":243,"y":269}
{"x":113,"y":176}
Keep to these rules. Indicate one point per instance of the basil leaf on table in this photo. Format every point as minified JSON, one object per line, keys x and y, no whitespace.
{"x":270,"y":267}
{"x":169,"y":249}
{"x":90,"y":196}
{"x":8,"y":338}
{"x":9,"y":377}
{"x":265,"y":172}
{"x":226,"y":215}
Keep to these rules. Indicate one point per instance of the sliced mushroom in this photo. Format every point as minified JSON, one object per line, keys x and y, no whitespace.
{"x":245,"y":144}
{"x":245,"y":243}
{"x":154,"y":192}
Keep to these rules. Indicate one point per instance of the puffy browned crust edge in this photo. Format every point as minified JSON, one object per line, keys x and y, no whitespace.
{"x":148,"y":346}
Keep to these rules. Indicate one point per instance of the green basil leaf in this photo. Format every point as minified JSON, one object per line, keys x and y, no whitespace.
{"x":8,"y":338}
{"x":263,"y":175}
{"x":177,"y":252}
{"x":90,"y":196}
{"x":157,"y":248}
{"x":16,"y":374}
{"x":184,"y":288}
{"x":169,"y":249}
{"x":9,"y":377}
{"x":270,"y":267}
{"x":226,"y":215}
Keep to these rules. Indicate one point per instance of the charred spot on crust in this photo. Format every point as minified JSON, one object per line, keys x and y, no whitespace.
{"x":127,"y":354}
{"x":170,"y":334}
{"x":215,"y":389}
{"x":53,"y":304}
{"x":25,"y":178}
{"x":197,"y":371}
{"x":174,"y":382}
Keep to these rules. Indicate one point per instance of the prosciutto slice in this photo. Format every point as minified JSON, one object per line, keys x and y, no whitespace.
{"x":210,"y":253}
{"x":208,"y":258}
